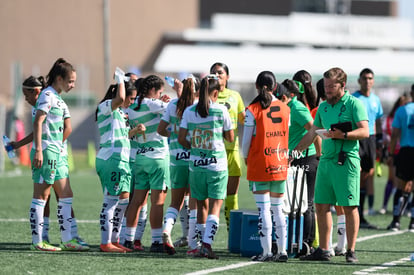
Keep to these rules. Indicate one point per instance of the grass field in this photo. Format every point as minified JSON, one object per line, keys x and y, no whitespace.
{"x":378,"y":251}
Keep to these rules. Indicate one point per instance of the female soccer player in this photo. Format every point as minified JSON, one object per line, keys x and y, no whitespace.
{"x":267,"y":127}
{"x":206,"y":123}
{"x":112,"y":161}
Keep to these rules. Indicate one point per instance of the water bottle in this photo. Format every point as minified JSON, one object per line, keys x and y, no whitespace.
{"x":412,"y":257}
{"x":170,"y":80}
{"x":8,"y":147}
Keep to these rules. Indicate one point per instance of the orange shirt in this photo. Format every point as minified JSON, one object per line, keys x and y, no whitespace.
{"x":268,"y":154}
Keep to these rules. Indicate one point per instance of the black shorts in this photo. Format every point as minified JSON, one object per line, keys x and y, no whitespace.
{"x":367,"y":153}
{"x":404,"y":164}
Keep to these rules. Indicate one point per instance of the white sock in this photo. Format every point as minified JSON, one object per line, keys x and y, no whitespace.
{"x":106,"y":216}
{"x":169,"y":219}
{"x":64,"y":216}
{"x":156,"y":235}
{"x":330,"y":238}
{"x":36,"y":219}
{"x":74,"y":228}
{"x":130,"y":233}
{"x":212,"y":226}
{"x":142,"y":222}
{"x":279,"y":222}
{"x":117,"y":220}
{"x":265,"y":222}
{"x":123,"y":230}
{"x":341,"y":232}
{"x":192,"y":232}
{"x":45,"y":231}
{"x":184,"y":216}
{"x":201,"y":229}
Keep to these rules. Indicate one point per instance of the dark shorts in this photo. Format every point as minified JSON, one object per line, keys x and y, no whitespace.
{"x":367,"y":153}
{"x":404,"y":164}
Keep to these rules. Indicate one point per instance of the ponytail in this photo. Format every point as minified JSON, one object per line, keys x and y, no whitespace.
{"x":209,"y":84}
{"x":191,"y":86}
{"x":265,"y":83}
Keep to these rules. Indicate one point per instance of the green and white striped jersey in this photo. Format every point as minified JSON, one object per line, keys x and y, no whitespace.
{"x":179,"y":156}
{"x":113,"y":131}
{"x":151,"y":144}
{"x":50,"y":102}
{"x":206,"y":137}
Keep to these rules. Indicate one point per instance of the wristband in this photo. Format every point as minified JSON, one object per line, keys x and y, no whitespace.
{"x":345,"y":135}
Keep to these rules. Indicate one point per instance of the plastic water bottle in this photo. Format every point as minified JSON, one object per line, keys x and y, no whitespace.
{"x":8,"y":147}
{"x":170,"y":80}
{"x":412,"y":257}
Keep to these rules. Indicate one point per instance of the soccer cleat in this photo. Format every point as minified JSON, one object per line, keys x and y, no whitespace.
{"x":382,"y":211}
{"x":331,"y":252}
{"x":339,"y":252}
{"x":81,"y":241}
{"x":167,"y":242}
{"x":350,"y":256}
{"x":157,"y":247}
{"x":44,"y":246}
{"x":394,"y":226}
{"x":364,"y":224}
{"x":138,"y":246}
{"x":371,"y":212}
{"x":262,"y":258}
{"x":181,"y":242}
{"x":317,"y":255}
{"x":281,"y":257}
{"x":207,"y":252}
{"x":109,"y":247}
{"x":73,"y":245}
{"x":193,"y":252}
{"x":126,"y":249}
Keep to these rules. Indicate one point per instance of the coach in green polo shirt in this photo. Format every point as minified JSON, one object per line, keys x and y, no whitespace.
{"x":337,"y":179}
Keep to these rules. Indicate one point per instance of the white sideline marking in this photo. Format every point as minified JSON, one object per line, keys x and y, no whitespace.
{"x":242,"y":264}
{"x":223,"y":268}
{"x":381,"y":267}
{"x":27,"y":220}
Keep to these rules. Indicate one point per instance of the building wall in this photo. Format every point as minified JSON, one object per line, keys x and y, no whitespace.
{"x":36,"y":33}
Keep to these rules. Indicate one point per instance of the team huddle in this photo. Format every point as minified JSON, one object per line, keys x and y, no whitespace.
{"x":151,"y":144}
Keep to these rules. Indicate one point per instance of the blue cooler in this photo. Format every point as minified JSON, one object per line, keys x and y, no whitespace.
{"x":235,"y":231}
{"x":250,"y":240}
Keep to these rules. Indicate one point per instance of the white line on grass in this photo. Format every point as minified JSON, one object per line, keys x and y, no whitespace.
{"x":242,"y":264}
{"x":223,"y":268}
{"x":381,"y":267}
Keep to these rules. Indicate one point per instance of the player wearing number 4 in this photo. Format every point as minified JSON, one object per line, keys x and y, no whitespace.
{"x":206,"y":123}
{"x":267,"y":173}
{"x":48,"y":164}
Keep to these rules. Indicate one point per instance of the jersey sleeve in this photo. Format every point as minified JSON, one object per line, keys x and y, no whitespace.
{"x":249,"y":119}
{"x":359,"y":113}
{"x":184,"y":120}
{"x":227,"y":125}
{"x":240,"y":105}
{"x":105,"y":107}
{"x":396,"y":123}
{"x":66,"y":113}
{"x":44,"y":102}
{"x":157,"y":106}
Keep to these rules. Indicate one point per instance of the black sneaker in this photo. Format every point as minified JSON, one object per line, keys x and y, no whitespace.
{"x":317,"y":255}
{"x":394,"y":226}
{"x":157,"y":247}
{"x":350,"y":256}
{"x":281,"y":257}
{"x":207,"y":252}
{"x":262,"y":258}
{"x":129,"y":244}
{"x":364,"y":224}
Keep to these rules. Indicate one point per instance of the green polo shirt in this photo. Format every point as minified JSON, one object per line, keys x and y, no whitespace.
{"x":348,"y":108}
{"x":299,"y":116}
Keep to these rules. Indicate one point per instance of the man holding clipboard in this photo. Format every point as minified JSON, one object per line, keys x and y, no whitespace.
{"x":345,"y":121}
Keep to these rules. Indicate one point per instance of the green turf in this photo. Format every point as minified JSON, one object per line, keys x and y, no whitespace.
{"x":16,"y":258}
